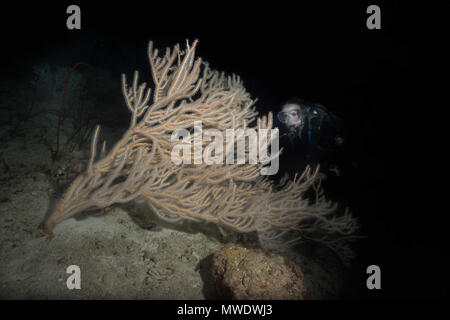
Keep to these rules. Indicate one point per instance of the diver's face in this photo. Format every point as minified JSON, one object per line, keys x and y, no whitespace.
{"x":290,"y":116}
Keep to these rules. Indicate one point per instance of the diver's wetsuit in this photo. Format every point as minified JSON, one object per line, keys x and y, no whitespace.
{"x":314,"y":144}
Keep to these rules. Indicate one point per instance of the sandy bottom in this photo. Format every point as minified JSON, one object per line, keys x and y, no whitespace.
{"x":125,"y":253}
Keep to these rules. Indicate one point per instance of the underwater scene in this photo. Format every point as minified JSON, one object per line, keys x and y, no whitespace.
{"x":218,"y":156}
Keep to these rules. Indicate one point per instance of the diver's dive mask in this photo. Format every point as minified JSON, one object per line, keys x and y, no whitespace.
{"x":291,"y":117}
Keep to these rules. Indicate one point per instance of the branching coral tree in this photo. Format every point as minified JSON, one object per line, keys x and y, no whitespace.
{"x":232,"y":195}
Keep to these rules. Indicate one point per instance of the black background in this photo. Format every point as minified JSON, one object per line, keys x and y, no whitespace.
{"x":389,"y":85}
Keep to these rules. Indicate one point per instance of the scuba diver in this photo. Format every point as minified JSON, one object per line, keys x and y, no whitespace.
{"x":313,"y":136}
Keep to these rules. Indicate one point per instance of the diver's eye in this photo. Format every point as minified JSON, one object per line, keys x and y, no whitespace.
{"x":294,"y":114}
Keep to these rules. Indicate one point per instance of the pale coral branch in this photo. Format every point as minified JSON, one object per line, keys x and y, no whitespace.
{"x":232,"y":195}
